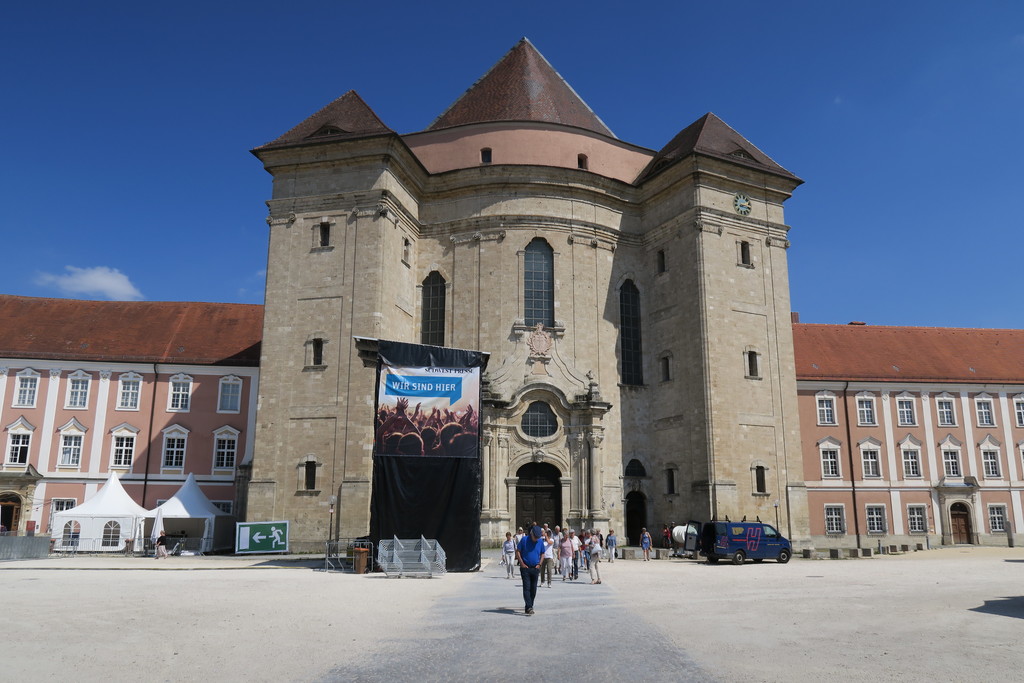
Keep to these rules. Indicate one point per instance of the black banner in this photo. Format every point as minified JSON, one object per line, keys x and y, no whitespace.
{"x":426,"y":466}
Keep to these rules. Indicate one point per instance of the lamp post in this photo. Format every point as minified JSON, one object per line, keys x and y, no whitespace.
{"x":330,"y":528}
{"x":776,"y":504}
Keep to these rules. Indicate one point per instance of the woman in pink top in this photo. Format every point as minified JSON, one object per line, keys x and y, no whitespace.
{"x":565,"y":556}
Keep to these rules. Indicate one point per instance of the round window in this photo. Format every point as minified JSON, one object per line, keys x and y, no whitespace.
{"x":539,"y":420}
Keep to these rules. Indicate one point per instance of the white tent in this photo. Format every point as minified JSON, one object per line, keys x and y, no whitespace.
{"x":190,"y":514}
{"x":102,"y":523}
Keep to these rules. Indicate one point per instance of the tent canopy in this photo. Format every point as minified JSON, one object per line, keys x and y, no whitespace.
{"x":111,"y":504}
{"x":189,"y":501}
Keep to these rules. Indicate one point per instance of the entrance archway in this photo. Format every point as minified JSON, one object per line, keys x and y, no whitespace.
{"x":636,"y":516}
{"x":960,"y":523}
{"x":538,"y":494}
{"x":10,"y":511}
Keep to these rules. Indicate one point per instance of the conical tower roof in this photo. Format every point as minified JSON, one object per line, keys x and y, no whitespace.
{"x":711,"y":136}
{"x":345,"y":118}
{"x":522,"y":86}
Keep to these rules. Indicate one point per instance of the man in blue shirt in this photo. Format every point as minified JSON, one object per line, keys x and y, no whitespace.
{"x":529,"y":555}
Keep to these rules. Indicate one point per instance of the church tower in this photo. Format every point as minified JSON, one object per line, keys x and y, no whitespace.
{"x":634,"y":304}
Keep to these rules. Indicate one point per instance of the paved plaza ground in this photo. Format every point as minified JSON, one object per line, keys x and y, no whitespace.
{"x":951,"y":614}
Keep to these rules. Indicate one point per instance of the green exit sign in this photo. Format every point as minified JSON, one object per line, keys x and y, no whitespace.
{"x":261,"y":537}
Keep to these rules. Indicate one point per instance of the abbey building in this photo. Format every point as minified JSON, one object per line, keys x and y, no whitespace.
{"x":634,"y":304}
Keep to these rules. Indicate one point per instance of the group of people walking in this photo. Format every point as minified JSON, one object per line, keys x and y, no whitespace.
{"x":534,"y":553}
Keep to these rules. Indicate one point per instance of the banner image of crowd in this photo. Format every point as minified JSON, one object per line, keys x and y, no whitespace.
{"x":426,"y":465}
{"x":428,"y":411}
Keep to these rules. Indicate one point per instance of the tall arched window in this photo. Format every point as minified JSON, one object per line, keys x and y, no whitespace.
{"x":539,"y":283}
{"x":629,"y":334}
{"x":432,"y":320}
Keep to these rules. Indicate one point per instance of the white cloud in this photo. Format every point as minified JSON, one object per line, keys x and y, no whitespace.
{"x":102,"y":281}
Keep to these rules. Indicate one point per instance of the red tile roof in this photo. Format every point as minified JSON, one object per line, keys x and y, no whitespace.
{"x":908,"y":354}
{"x":131,"y":331}
{"x":711,"y":136}
{"x":345,"y":118}
{"x":522,"y":86}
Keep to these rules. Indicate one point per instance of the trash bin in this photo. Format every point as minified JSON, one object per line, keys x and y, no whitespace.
{"x":360,"y":560}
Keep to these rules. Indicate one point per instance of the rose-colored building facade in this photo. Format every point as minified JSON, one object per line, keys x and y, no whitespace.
{"x":911,"y":436}
{"x":152,"y":391}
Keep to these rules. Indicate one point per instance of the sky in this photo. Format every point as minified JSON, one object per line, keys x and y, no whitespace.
{"x":126,"y":170}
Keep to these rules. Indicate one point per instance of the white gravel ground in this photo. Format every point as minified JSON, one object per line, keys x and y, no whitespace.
{"x":954,"y":614}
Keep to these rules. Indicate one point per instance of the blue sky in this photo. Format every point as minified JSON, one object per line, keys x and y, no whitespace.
{"x":127,"y":127}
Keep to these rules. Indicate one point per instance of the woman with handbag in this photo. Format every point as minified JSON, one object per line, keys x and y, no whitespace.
{"x":595,"y":558}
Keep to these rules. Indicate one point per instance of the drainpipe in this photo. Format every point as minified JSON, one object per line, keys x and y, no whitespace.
{"x":149,"y":448}
{"x":849,"y":452}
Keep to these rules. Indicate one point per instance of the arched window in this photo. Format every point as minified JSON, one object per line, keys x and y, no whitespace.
{"x":432,"y":319}
{"x":629,"y":334}
{"x":634,"y":468}
{"x":111,"y":534}
{"x":760,"y":482}
{"x":539,"y":420}
{"x":72,"y":530}
{"x":539,"y":284}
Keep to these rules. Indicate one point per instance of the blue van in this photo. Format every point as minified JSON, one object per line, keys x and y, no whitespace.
{"x":738,"y":541}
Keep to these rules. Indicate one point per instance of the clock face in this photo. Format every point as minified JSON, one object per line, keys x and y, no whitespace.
{"x":741,"y":203}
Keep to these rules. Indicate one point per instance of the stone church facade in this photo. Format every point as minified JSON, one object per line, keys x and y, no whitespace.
{"x":634,"y":303}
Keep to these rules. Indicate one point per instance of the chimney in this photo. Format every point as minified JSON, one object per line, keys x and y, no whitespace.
{"x":794,"y":317}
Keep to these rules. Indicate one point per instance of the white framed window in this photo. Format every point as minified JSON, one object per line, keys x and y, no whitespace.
{"x":19,"y":439}
{"x":225,"y":448}
{"x":180,"y":394}
{"x":129,"y":391}
{"x":997,"y":518}
{"x":225,"y":506}
{"x":78,"y":390}
{"x":175,"y":445}
{"x":230,"y":398}
{"x":830,"y":462}
{"x":946,"y":411}
{"x":911,"y":463}
{"x":990,"y":462}
{"x":826,"y":409}
{"x":869,"y":458}
{"x":951,"y":462}
{"x":917,"y":519}
{"x":866,"y":410}
{"x":60,"y":505}
{"x":123,"y":445}
{"x":72,"y":436}
{"x":70,"y":450}
{"x":905,"y":412}
{"x":876,"y":519}
{"x":1018,"y":409}
{"x":983,"y":409}
{"x":28,"y":388}
{"x":835,"y":519}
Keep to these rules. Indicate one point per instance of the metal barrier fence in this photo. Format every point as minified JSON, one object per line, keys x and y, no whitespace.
{"x":66,"y":546}
{"x":412,"y":557}
{"x":348,"y":555}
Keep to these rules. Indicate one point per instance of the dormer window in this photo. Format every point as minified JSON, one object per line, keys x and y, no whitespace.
{"x":581,"y":161}
{"x":485,"y":155}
